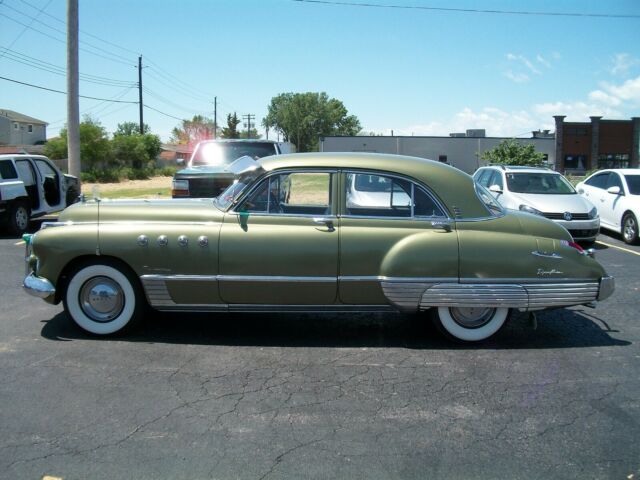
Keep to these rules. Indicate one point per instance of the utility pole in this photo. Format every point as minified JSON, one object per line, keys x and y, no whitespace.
{"x":249,"y":117}
{"x":73,"y":90}
{"x":215,"y":117}
{"x":140,"y":94}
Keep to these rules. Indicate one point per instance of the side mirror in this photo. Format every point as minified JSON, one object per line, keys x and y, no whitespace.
{"x":614,"y":190}
{"x":180,"y":161}
{"x":580,"y":190}
{"x":495,"y":189}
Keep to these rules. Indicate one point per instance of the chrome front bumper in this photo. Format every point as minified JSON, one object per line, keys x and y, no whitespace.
{"x":607,"y":286}
{"x":38,"y":286}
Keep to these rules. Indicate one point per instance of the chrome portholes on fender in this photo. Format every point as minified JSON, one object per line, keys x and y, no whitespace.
{"x":103,"y":298}
{"x":470,"y":324}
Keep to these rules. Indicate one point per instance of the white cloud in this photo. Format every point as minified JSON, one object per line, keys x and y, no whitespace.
{"x":621,"y":63}
{"x":524,"y":61}
{"x":628,"y":91}
{"x":603,"y":97}
{"x":579,"y":111}
{"x":516,"y":77}
{"x":543,"y":61}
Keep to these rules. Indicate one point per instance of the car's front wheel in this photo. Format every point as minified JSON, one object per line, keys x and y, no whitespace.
{"x":470,"y":324}
{"x":103,"y":298}
{"x":630,"y":228}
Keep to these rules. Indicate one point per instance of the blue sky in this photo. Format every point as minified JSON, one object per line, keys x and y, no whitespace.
{"x":413,"y":71}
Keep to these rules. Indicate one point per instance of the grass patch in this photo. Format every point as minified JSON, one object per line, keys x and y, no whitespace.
{"x":140,"y":192}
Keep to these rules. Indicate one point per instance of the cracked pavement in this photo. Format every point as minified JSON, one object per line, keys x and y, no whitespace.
{"x":358,"y":396}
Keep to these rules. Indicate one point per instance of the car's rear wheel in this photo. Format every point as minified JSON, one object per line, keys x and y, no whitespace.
{"x":470,"y":324}
{"x":103,"y":298}
{"x":630,"y":228}
{"x":19,"y":218}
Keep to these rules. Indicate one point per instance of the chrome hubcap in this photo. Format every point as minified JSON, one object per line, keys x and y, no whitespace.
{"x":472,"y":317}
{"x":101,"y":299}
{"x":22,"y":218}
{"x":629,"y":228}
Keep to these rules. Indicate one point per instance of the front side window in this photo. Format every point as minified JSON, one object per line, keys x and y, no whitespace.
{"x":614,"y":181}
{"x":385,"y":196}
{"x":496,"y":179}
{"x":539,"y":183}
{"x":492,"y":205}
{"x":598,"y":181}
{"x":633,"y":182}
{"x":303,"y":193}
{"x":484,"y":176}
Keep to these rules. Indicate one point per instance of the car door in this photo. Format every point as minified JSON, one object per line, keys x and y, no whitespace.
{"x":279,"y":246}
{"x":613,"y":204}
{"x":27,"y":174}
{"x":52,"y":192}
{"x":393,"y":233}
{"x":595,"y":190}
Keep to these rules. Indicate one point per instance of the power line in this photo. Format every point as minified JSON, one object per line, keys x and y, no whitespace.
{"x":64,"y":42}
{"x":40,"y":10}
{"x":466,"y":10}
{"x":60,"y":91}
{"x":162,"y":113}
{"x":82,"y":31}
{"x":58,"y":70}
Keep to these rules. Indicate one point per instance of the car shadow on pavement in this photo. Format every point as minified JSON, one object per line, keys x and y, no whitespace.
{"x":560,"y":328}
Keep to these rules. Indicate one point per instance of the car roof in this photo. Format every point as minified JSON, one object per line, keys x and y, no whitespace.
{"x":21,"y":155}
{"x":237,"y":140}
{"x":453,"y":186}
{"x":632,"y":171}
{"x":521,"y":168}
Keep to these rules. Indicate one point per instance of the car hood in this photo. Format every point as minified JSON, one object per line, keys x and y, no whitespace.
{"x":174,"y":210}
{"x":553,"y":203}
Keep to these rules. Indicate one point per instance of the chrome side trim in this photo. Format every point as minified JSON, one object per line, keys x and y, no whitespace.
{"x":383,"y":278}
{"x":546,"y":255}
{"x":405,"y":295}
{"x":276,"y":308}
{"x":527,"y":296}
{"x":275,"y":278}
{"x":156,"y":291}
{"x":38,"y":286}
{"x":457,"y":295}
{"x":187,"y":278}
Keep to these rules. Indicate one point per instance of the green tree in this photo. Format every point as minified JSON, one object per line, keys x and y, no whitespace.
{"x":231,"y":130}
{"x":254,"y":134}
{"x":193,"y":131}
{"x":302,"y":118}
{"x":512,"y":152}
{"x":130,"y":128}
{"x":135,"y":151}
{"x":95,"y":148}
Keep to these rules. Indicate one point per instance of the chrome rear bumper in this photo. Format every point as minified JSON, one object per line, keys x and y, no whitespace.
{"x":38,"y":286}
{"x":607,"y":286}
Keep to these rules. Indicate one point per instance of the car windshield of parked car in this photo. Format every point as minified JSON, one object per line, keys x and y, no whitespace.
{"x":212,"y":153}
{"x":633,"y":182}
{"x":539,"y":183}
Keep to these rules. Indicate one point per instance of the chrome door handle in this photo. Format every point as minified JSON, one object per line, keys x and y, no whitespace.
{"x":327,"y":222}
{"x":443,"y":224}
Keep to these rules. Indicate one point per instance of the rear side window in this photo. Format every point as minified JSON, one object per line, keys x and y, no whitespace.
{"x":7,"y":170}
{"x":26,"y":172}
{"x":598,"y":181}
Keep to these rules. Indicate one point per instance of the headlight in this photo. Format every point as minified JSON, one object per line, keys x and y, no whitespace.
{"x":593,"y":213}
{"x":527,"y":208}
{"x":180,"y":188}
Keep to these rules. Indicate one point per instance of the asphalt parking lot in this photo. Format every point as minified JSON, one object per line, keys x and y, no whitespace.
{"x":362,"y":396}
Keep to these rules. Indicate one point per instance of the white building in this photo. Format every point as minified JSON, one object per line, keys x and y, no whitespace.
{"x":19,"y":129}
{"x":461,"y":150}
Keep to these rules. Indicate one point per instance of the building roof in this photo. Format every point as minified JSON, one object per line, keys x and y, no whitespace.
{"x":20,"y":117}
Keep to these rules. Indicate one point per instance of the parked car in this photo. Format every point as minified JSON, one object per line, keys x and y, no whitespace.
{"x":616,"y":192}
{"x":542,"y":192}
{"x":32,"y":186}
{"x":205,"y":175}
{"x":283,"y":238}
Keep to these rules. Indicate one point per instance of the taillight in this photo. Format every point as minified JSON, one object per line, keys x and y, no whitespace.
{"x":581,"y":251}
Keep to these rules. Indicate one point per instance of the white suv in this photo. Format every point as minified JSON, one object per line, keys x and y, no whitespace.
{"x":32,"y":186}
{"x":542,"y":192}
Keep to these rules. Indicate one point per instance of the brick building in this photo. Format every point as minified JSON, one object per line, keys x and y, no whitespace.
{"x":583,"y":146}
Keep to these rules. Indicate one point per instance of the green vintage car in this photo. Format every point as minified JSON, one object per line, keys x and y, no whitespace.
{"x":314,"y":232}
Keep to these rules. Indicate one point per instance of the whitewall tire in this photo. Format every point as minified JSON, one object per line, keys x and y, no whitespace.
{"x":470,"y":324}
{"x":102,"y":299}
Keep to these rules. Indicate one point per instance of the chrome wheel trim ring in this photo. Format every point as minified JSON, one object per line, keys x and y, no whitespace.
{"x":101,"y":299}
{"x":22,"y":218}
{"x":472,"y":317}
{"x":629,"y":228}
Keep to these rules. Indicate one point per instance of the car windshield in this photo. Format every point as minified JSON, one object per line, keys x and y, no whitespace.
{"x":222,"y":153}
{"x":539,"y":183}
{"x":245,"y":169}
{"x":633,"y":182}
{"x":492,"y":205}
